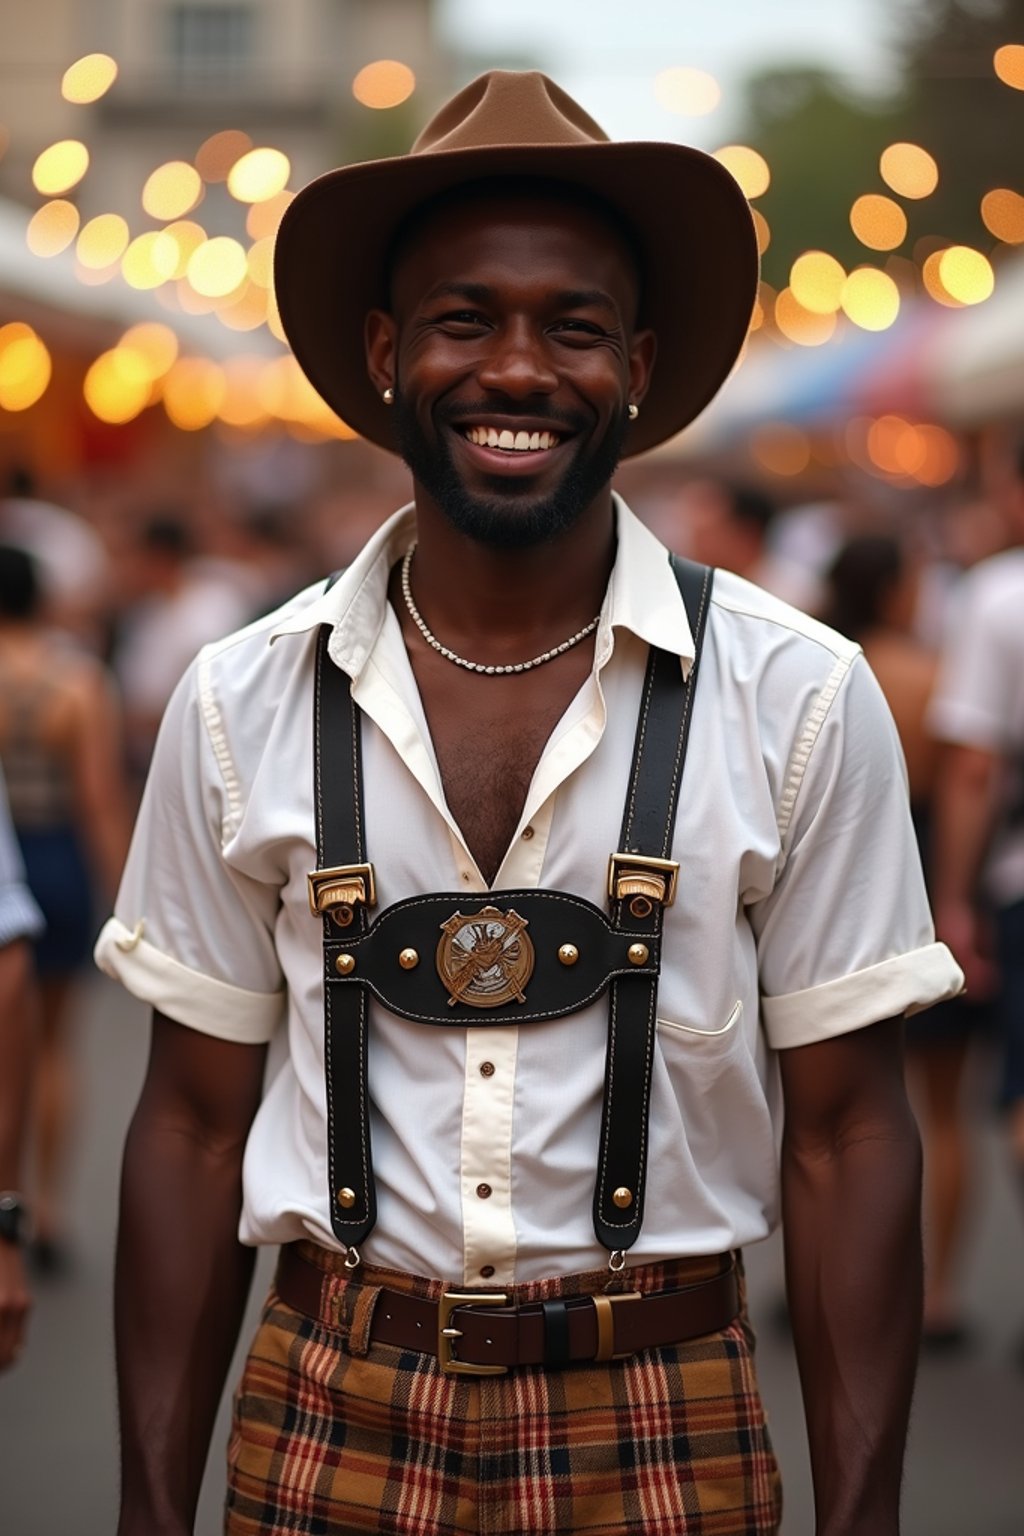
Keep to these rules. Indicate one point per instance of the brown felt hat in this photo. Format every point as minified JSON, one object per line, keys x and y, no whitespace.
{"x":691,"y":221}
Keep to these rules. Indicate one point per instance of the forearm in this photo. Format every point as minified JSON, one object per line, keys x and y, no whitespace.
{"x":182,"y":1279}
{"x":854,"y":1273}
{"x":17,"y":1048}
{"x":965,"y":801}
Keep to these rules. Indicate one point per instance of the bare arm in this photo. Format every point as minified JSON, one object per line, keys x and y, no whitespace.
{"x":965,"y":807}
{"x":17,"y":1041}
{"x":851,"y":1170}
{"x":182,"y":1277}
{"x":98,"y":767}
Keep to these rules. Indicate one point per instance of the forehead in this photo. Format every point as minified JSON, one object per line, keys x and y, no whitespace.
{"x":525,"y":232}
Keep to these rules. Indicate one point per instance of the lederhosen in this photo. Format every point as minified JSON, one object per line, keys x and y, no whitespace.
{"x":511,"y":957}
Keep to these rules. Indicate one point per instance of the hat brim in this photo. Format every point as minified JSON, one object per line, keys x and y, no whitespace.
{"x":691,"y":219}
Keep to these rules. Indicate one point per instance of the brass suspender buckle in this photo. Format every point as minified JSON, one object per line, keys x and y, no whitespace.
{"x":603,"y":1306}
{"x":642,"y":881}
{"x":446,"y":1334}
{"x":339,"y":891}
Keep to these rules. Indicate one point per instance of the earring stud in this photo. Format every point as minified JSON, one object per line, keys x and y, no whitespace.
{"x":632,"y":411}
{"x":388,"y":396}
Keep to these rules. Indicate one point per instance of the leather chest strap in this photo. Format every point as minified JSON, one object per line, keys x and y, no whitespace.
{"x":648,"y":823}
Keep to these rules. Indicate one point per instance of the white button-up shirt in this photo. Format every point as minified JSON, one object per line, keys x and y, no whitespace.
{"x":801,"y":914}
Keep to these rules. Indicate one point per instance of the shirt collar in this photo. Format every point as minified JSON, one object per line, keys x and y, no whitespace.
{"x":643,"y":595}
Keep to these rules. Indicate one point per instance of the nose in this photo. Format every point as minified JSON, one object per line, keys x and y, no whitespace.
{"x":517,"y":364}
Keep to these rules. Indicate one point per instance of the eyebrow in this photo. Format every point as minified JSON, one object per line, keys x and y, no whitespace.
{"x":568,"y":298}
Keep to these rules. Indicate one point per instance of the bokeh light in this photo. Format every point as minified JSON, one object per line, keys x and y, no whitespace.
{"x":172,"y":190}
{"x":150,"y":260}
{"x":246,"y":310}
{"x":1008,"y":63}
{"x":155,"y":343}
{"x":687,"y":92}
{"x":188,"y":237}
{"x":259,"y":174}
{"x":60,"y":167}
{"x":102,"y":241}
{"x":817,"y":280}
{"x":217,"y":154}
{"x":781,"y":449}
{"x":909,"y":170}
{"x":193,"y":392}
{"x":1003,"y":214}
{"x":118,"y":385}
{"x":762,"y":230}
{"x":931,"y":277}
{"x":871,"y":299}
{"x":88,"y":78}
{"x":802,"y":325}
{"x":878,"y":222}
{"x":384,"y":83}
{"x":747,"y":167}
{"x":52,"y":228}
{"x":966,"y":274}
{"x":263,"y":219}
{"x":242,"y":405}
{"x":217,"y":267}
{"x":25,"y":367}
{"x":261,"y":262}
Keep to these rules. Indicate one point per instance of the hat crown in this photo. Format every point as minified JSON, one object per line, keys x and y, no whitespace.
{"x":506,"y":107}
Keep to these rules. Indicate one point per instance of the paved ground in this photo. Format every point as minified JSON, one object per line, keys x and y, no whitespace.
{"x":57,"y":1421}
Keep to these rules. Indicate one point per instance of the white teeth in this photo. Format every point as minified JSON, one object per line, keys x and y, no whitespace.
{"x":511,"y":442}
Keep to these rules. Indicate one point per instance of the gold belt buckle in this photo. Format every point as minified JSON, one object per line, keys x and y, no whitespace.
{"x":338,"y":891}
{"x":603,"y":1306}
{"x":446,"y":1334}
{"x":642,"y":881}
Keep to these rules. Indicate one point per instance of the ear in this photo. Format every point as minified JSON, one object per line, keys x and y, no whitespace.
{"x":642,"y":351}
{"x":380,"y":334}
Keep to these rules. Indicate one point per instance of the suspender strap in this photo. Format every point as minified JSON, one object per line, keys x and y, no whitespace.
{"x":648,"y":822}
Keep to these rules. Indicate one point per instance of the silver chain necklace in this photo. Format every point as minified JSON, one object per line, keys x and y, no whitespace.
{"x":478,"y":666}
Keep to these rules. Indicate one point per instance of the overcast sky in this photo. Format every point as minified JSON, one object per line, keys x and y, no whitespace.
{"x":607,"y":52}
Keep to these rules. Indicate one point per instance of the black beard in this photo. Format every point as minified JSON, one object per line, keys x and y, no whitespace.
{"x":509,"y":518}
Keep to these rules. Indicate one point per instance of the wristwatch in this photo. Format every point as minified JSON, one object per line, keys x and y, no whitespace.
{"x":13,"y":1218}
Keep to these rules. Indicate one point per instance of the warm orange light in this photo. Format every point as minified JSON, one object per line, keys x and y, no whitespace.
{"x":909,"y":170}
{"x":893,"y":444}
{"x":172,"y":190}
{"x":931,"y":277}
{"x":52,"y":228}
{"x":156,"y":344}
{"x":817,"y":280}
{"x":274,"y":325}
{"x":243,"y":405}
{"x":103,"y":241}
{"x":117,"y":385}
{"x":801,"y":325}
{"x":781,"y":449}
{"x":262,"y":220}
{"x":150,"y":260}
{"x":88,"y":78}
{"x":193,"y":392}
{"x":384,"y":83}
{"x":188,"y":237}
{"x":878,"y":222}
{"x":245,"y":311}
{"x":871,"y":299}
{"x":747,"y":167}
{"x":60,"y":167}
{"x":687,"y":92}
{"x":261,"y":262}
{"x":1008,"y":63}
{"x":941,"y":456}
{"x":217,"y":267}
{"x":260,"y":174}
{"x":762,"y":229}
{"x":966,"y":274}
{"x":217,"y":154}
{"x":25,"y":367}
{"x":1003,"y":214}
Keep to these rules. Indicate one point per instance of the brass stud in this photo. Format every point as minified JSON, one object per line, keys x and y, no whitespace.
{"x":408,"y":959}
{"x":638,"y":954}
{"x":345,"y":965}
{"x":568,"y":954}
{"x":346,"y":1198}
{"x":622,"y":1197}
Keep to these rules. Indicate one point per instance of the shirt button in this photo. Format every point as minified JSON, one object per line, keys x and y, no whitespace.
{"x":484,"y":1191}
{"x":466,"y":876}
{"x":527,"y":833}
{"x":487,"y":1271}
{"x":487,"y":1069}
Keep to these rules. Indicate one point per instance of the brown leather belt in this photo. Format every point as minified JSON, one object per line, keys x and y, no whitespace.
{"x":475,"y":1333}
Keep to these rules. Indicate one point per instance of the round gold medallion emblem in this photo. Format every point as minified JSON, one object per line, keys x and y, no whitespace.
{"x":486,"y":959}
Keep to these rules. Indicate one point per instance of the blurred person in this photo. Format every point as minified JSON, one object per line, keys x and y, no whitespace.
{"x":60,"y":742}
{"x":174,"y":603}
{"x":71,"y":559}
{"x":20,"y":921}
{"x":512,"y":320}
{"x":727,"y":524}
{"x":872,"y":595}
{"x":978,"y":714}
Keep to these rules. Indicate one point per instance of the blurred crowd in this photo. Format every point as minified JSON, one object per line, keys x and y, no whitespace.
{"x":103,"y":606}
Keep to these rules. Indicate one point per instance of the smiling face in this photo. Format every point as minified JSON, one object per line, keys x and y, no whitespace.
{"x":513,"y":354}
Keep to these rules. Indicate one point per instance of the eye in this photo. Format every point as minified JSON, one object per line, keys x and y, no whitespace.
{"x":462,"y":318}
{"x":581,"y":329}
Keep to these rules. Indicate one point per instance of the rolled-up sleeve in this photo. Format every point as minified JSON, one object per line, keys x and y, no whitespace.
{"x":845,"y":938}
{"x":191,"y":935}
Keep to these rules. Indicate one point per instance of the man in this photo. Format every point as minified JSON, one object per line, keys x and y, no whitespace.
{"x":727,"y":524}
{"x":20,"y":920}
{"x":978,"y":713}
{"x":513,"y":305}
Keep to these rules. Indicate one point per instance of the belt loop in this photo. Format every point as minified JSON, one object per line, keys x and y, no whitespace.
{"x":366,"y":1299}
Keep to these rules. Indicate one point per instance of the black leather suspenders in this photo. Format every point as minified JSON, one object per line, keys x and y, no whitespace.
{"x":504,"y":957}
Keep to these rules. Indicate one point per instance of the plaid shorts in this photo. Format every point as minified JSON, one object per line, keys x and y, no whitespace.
{"x":331,"y":1434}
